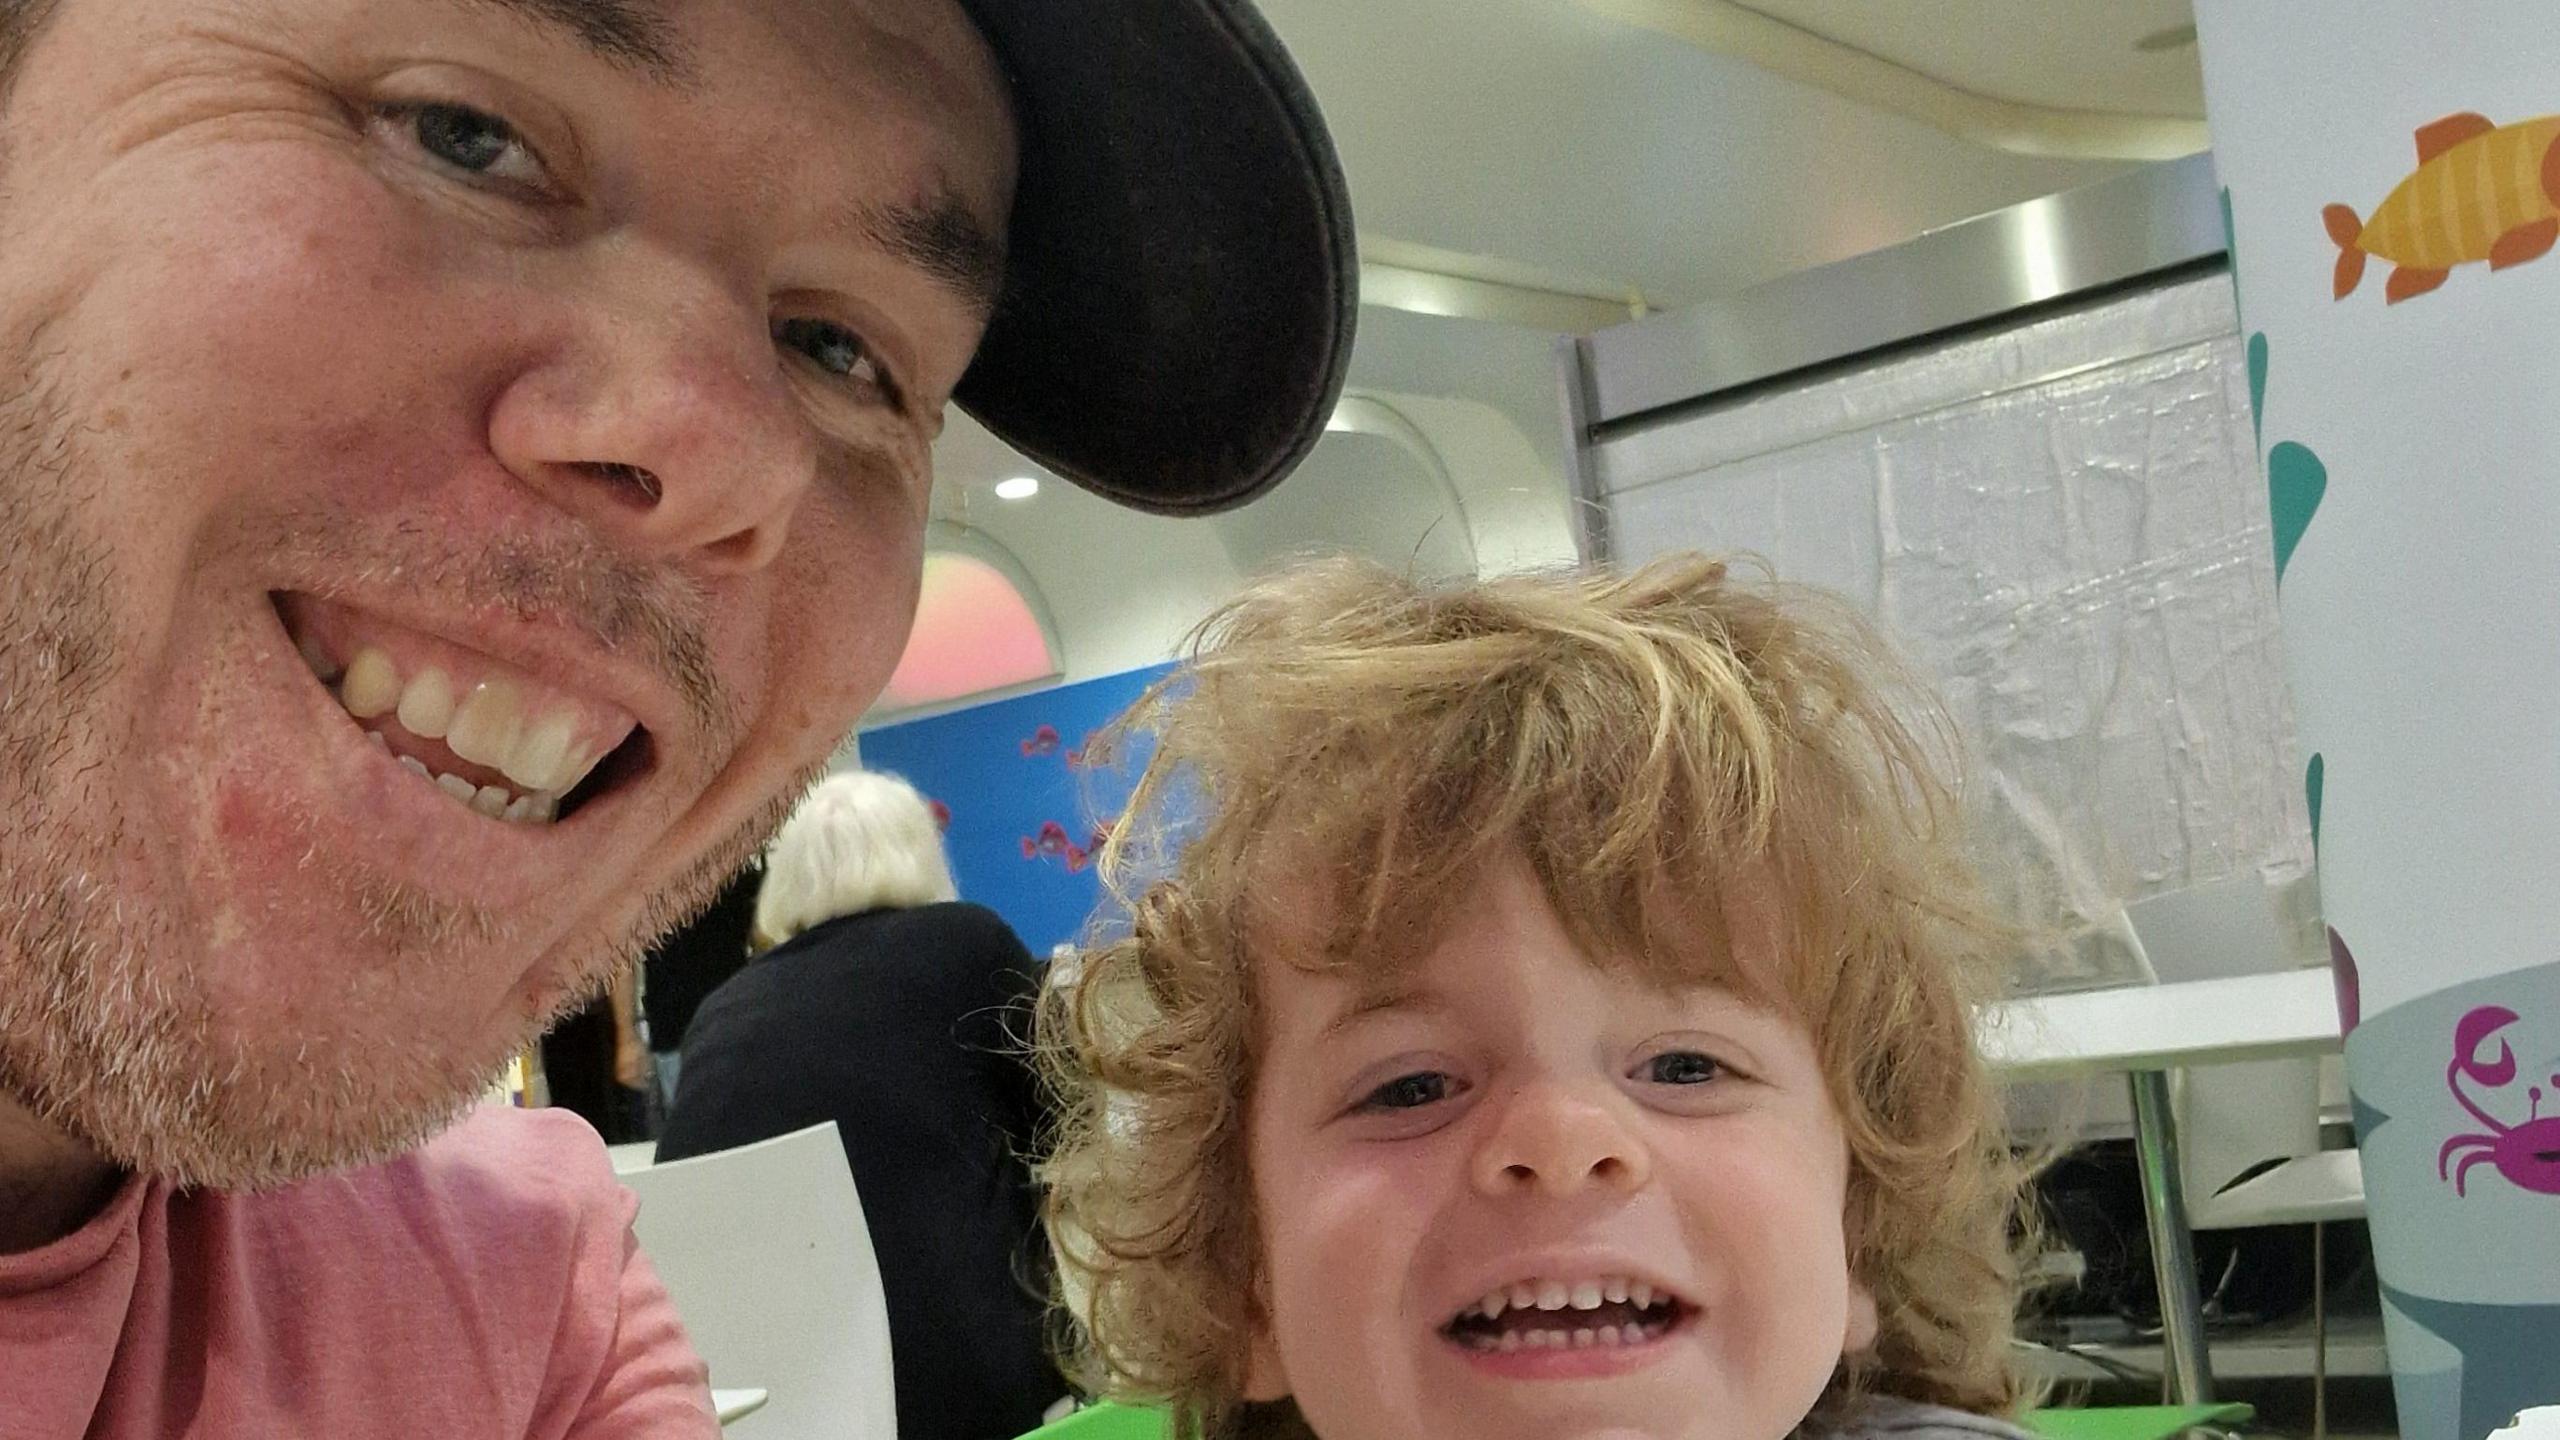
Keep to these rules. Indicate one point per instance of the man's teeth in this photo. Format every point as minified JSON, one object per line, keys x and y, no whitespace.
{"x":371,"y":686}
{"x":496,"y":723}
{"x":494,"y":801}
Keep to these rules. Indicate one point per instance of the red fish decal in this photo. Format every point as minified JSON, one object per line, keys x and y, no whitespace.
{"x":1043,"y":741}
{"x":1051,"y":840}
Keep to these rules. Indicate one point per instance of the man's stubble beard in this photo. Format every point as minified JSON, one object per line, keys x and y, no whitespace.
{"x":108,"y":1028}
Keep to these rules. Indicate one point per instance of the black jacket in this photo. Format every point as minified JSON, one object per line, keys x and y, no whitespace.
{"x":696,"y":959}
{"x":903,"y":1027}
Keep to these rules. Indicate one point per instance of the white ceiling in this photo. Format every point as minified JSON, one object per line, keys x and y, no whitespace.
{"x":1540,"y":132}
{"x":1542,"y":138}
{"x":2031,"y":52}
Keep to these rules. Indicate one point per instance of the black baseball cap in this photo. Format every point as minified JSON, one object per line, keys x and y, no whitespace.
{"x":1181,"y":278}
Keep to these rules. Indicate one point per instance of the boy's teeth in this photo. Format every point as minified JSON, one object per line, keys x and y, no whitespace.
{"x":1565,"y":1295}
{"x":1512,"y":1341}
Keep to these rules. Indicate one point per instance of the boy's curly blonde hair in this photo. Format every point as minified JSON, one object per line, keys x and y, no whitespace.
{"x":1643,"y":743}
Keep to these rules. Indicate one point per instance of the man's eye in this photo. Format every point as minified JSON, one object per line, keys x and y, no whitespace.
{"x":831,"y":348}
{"x":1409,"y":1092}
{"x":1682,"y":1067}
{"x":473,"y":142}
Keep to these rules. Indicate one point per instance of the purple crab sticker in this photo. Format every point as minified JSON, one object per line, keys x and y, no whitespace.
{"x":2527,"y":1155}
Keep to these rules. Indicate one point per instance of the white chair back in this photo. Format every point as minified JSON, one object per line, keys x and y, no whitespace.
{"x":766,"y":1256}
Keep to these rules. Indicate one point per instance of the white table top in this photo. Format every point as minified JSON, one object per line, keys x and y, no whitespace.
{"x":2537,"y":1424}
{"x":2161,"y":1027}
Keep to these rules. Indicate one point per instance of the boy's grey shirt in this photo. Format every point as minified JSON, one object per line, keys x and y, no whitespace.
{"x":1888,"y":1417}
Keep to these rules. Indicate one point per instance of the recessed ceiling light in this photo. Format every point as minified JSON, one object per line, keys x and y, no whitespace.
{"x":2176,"y":37}
{"x":1020,"y":487}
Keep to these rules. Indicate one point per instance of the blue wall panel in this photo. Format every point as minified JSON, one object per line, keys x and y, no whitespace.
{"x":1022,"y":812}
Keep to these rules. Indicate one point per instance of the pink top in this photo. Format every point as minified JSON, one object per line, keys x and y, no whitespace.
{"x":486,"y":1284}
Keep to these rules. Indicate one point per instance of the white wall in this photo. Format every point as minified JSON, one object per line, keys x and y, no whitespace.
{"x":1465,"y":487}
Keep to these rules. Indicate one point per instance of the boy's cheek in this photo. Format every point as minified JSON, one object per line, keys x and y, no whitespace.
{"x":1266,"y":1377}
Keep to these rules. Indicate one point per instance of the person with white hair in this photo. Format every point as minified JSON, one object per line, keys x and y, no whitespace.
{"x":860,"y":841}
{"x":894,"y":1009}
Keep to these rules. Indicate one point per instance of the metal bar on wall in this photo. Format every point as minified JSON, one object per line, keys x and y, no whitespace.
{"x":2154,"y":218}
{"x":1589,"y":508}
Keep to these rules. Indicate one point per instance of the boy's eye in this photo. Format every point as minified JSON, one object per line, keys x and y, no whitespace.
{"x":1682,"y":1067}
{"x":1409,"y":1092}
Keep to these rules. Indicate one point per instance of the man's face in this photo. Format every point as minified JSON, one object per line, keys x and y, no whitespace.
{"x":550,"y":381}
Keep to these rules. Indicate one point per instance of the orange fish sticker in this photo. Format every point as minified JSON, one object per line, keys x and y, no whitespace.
{"x":2481,"y":191}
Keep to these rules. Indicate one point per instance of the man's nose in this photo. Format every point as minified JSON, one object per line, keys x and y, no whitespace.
{"x":665,"y":419}
{"x":1555,"y":1138}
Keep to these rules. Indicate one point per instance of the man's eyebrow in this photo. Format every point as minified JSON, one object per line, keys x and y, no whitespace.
{"x":631,"y":35}
{"x":945,"y":239}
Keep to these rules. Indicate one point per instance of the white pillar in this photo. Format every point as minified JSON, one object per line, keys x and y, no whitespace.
{"x":2411,"y":433}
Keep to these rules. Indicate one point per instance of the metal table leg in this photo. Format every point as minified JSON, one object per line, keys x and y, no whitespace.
{"x":2173,"y":1249}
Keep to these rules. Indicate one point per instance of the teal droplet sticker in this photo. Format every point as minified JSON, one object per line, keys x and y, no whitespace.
{"x":2231,"y":248}
{"x":2258,"y":385}
{"x":2295,"y":482}
{"x":2311,"y":777}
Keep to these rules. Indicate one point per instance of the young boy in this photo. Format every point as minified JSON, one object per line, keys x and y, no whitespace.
{"x":1545,"y":1014}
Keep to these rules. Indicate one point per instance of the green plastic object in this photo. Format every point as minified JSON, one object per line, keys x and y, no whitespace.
{"x":1107,"y":1422}
{"x":2128,"y":1422}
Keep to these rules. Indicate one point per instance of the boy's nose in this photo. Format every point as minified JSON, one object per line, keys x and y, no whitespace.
{"x":1551,"y":1139}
